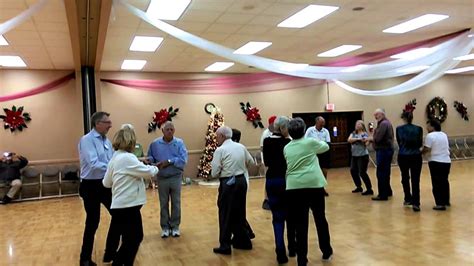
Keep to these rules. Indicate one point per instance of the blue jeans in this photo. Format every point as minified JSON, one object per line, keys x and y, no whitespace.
{"x":384,"y":161}
{"x":277,"y":198}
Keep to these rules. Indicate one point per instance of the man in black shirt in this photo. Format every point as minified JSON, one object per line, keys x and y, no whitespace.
{"x":10,"y":167}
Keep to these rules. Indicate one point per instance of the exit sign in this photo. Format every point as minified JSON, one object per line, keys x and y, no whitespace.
{"x":330,"y":107}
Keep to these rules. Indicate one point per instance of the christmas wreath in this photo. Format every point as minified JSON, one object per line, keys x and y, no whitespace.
{"x":462,"y":110}
{"x":159,"y":118}
{"x":15,"y":118}
{"x":437,"y":109}
{"x":409,"y":107}
{"x":252,"y":114}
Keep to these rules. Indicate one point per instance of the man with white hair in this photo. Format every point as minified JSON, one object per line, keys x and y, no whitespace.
{"x":170,"y":155}
{"x":229,"y":164}
{"x":382,"y":140}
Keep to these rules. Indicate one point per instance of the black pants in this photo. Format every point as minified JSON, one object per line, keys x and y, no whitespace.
{"x":301,"y":201}
{"x":410,"y":168}
{"x":129,"y":223}
{"x":359,"y":166}
{"x":231,"y":203}
{"x":384,"y":161}
{"x":439,"y":179}
{"x":93,"y":193}
{"x":278,"y":201}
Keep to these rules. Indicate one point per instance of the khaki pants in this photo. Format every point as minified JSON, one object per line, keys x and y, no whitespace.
{"x":15,"y":187}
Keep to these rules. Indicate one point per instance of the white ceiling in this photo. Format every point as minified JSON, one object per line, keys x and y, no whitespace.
{"x":44,"y":41}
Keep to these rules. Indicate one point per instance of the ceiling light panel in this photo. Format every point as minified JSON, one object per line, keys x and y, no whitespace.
{"x":307,"y":16}
{"x":416,"y":23}
{"x":252,"y":47}
{"x":343,"y":49}
{"x":219,"y":66}
{"x":167,"y":9}
{"x":145,"y":43}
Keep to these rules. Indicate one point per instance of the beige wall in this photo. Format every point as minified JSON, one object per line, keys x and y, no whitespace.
{"x":57,"y":115}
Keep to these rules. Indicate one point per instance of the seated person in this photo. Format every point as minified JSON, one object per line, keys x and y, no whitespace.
{"x":10,"y":173}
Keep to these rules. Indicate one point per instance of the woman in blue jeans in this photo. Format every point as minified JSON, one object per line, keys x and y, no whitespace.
{"x":275,"y":186}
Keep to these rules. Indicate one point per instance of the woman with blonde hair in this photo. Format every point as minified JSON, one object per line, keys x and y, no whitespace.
{"x":360,"y":158}
{"x":125,"y":175}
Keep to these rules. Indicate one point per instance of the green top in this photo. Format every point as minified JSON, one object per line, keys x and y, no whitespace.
{"x":303,"y":169}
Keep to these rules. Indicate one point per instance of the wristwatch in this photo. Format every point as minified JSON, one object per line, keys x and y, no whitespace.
{"x":169,"y":161}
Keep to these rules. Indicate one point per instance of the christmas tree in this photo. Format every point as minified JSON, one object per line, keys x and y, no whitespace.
{"x":216,"y":120}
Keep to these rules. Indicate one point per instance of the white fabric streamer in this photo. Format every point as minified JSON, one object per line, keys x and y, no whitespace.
{"x":439,"y":60}
{"x":17,"y":20}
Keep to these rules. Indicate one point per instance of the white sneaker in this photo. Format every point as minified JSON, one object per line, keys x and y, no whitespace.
{"x":175,"y":233}
{"x":165,"y":233}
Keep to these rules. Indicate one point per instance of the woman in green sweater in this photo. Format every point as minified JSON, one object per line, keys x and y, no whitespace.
{"x":305,"y":184}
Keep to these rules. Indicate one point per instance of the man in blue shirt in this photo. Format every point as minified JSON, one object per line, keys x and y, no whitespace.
{"x":170,"y":155}
{"x":95,"y":152}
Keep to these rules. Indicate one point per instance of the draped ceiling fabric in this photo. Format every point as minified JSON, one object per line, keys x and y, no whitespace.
{"x":17,"y":20}
{"x":41,"y":89}
{"x":439,"y":60}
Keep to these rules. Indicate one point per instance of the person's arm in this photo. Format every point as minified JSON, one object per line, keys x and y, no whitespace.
{"x":216,"y":163}
{"x":351,"y":138}
{"x":419,"y":140}
{"x":397,"y":135}
{"x":89,"y":154}
{"x":248,"y":158}
{"x":266,"y":153}
{"x":328,"y":136}
{"x":428,"y":144}
{"x":150,"y":157}
{"x":23,"y":161}
{"x":107,"y":181}
{"x":308,"y":133}
{"x":182,"y":158}
{"x":320,"y":146}
{"x":137,"y":169}
{"x":380,"y":133}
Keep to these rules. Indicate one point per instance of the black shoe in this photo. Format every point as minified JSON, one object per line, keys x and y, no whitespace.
{"x":368,"y":192}
{"x":87,"y":263}
{"x":357,"y":190}
{"x":378,"y":198}
{"x":327,"y":256}
{"x":326,"y":194}
{"x":108,"y":258}
{"x":448,"y":205}
{"x":407,"y":204}
{"x":223,"y":251}
{"x":281,"y":256}
{"x":265,"y":205}
{"x":439,"y":208}
{"x":291,"y":252}
{"x":416,"y":208}
{"x":6,"y":199}
{"x":251,"y":235}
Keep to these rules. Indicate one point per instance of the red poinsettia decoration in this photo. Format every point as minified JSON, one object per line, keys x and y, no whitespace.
{"x":409,"y":107}
{"x":15,"y":118}
{"x":161,"y":117}
{"x":462,"y":110}
{"x":252,"y":114}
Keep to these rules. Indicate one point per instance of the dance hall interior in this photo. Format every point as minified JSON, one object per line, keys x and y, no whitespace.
{"x":236,"y":132}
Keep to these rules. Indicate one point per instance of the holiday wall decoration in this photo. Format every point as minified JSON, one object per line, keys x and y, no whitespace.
{"x":15,"y":118}
{"x":252,"y":114}
{"x":437,"y":109}
{"x":216,"y":120}
{"x":462,"y":110}
{"x":159,"y":118}
{"x":409,"y":107}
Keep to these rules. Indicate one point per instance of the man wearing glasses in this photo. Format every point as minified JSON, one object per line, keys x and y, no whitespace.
{"x":95,"y":152}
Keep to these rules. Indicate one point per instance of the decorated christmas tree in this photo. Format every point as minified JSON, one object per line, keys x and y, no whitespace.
{"x":216,"y":120}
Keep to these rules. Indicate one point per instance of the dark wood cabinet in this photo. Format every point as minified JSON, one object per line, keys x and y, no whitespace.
{"x":345,"y":123}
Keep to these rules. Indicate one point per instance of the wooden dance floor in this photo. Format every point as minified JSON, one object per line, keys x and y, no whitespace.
{"x":363,"y":232}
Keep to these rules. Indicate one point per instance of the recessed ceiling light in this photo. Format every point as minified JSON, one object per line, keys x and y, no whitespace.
{"x":133,"y":64}
{"x":413,"y":69}
{"x":252,"y":47}
{"x":3,"y":41}
{"x":145,"y":43}
{"x":11,"y":61}
{"x":354,"y":68}
{"x":416,"y":23}
{"x":460,"y":70}
{"x":219,"y":66}
{"x":465,"y":57}
{"x":307,"y":16}
{"x":415,"y":53}
{"x":343,"y":49}
{"x":166,"y":9}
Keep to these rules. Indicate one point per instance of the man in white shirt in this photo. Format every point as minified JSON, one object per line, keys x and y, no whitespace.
{"x":229,"y":165}
{"x":320,"y":133}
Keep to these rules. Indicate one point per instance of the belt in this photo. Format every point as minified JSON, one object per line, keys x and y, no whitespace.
{"x":228,"y":177}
